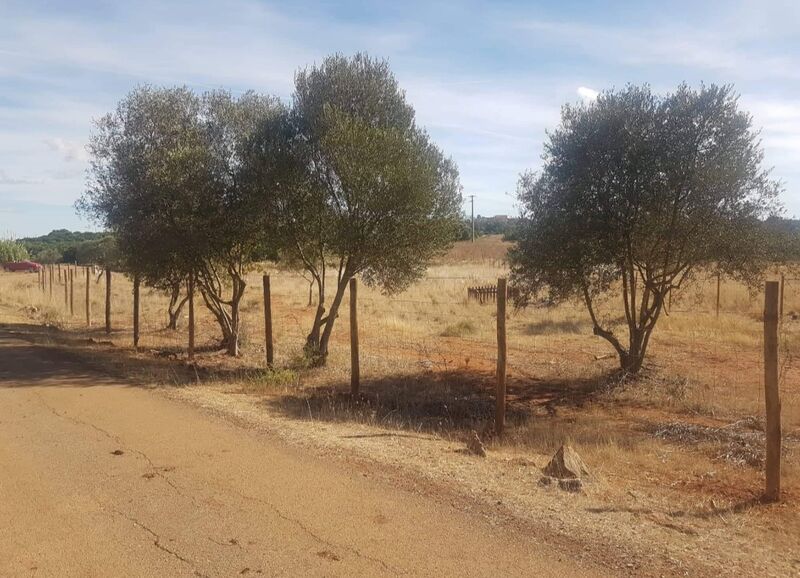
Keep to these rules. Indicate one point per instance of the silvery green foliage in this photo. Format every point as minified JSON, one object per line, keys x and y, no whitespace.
{"x":166,"y":179}
{"x":355,"y":185}
{"x":637,"y":192}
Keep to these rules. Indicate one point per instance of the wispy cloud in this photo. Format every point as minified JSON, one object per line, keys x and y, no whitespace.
{"x":674,"y":44}
{"x":779,"y":121}
{"x":70,"y":151}
{"x":6,"y":179}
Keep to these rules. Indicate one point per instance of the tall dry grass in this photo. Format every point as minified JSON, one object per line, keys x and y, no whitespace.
{"x":428,"y":355}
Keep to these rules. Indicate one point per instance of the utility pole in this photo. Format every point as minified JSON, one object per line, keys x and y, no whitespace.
{"x":472,"y":200}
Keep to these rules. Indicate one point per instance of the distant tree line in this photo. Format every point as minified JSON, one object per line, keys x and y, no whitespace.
{"x":63,"y":246}
{"x":496,"y":225}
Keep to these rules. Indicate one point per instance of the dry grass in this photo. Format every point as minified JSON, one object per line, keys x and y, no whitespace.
{"x":680,"y":446}
{"x":489,"y":249}
{"x":428,"y":359}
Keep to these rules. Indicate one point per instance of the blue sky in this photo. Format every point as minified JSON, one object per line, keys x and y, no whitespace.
{"x":487,"y":79}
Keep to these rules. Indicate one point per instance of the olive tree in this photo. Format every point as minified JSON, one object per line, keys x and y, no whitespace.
{"x":164,"y":179}
{"x":233,"y":236}
{"x":103,"y":252}
{"x":139,"y":187}
{"x":353,"y":187}
{"x":637,"y":193}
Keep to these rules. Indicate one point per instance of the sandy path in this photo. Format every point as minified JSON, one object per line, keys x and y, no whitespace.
{"x":98,"y":478}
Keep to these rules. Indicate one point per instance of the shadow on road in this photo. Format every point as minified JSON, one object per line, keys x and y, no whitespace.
{"x":39,"y":355}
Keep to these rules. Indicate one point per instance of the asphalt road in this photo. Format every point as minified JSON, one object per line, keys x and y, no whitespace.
{"x":100,"y":478}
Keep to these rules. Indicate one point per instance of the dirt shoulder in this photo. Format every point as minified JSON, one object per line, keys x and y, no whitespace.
{"x":647,"y":531}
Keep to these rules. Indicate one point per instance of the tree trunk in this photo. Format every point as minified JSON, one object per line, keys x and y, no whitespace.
{"x":318,"y":339}
{"x":175,"y":306}
{"x":332,"y":315}
{"x":108,"y":301}
{"x":312,"y":341}
{"x":233,"y":342}
{"x":631,"y":362}
{"x":228,"y":321}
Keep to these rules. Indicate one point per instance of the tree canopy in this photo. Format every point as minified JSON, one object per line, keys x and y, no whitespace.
{"x":165,"y":179}
{"x":102,"y":252}
{"x":59,"y":245}
{"x":201,"y":186}
{"x":351,"y":184}
{"x":637,"y":192}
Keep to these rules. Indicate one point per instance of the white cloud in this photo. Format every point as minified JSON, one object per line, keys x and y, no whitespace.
{"x":6,"y":179}
{"x":717,"y":48}
{"x":779,"y":121}
{"x":587,"y":94}
{"x":69,"y":150}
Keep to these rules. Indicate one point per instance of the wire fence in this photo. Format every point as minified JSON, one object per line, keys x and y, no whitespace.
{"x":711,"y":333}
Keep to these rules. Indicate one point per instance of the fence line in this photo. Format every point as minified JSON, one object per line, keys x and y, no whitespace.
{"x":424,"y":342}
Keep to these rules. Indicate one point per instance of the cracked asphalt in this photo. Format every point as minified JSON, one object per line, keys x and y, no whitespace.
{"x":101,"y":478}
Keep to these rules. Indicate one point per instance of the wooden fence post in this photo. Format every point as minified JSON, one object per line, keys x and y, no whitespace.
{"x":718,"y":287}
{"x":51,"y":281}
{"x":66,"y":291}
{"x":500,"y":395}
{"x":268,"y":321}
{"x":72,"y":293}
{"x":191,"y":316}
{"x":772,"y":393}
{"x":88,"y":301}
{"x":108,"y":300}
{"x":136,"y":312}
{"x":783,"y":283}
{"x":59,"y":273}
{"x":355,"y":374}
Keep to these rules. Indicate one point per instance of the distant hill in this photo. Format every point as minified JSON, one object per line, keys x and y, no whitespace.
{"x":59,"y":246}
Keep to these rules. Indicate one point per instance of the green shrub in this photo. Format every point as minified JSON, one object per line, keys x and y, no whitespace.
{"x":11,"y":251}
{"x":271,"y":379}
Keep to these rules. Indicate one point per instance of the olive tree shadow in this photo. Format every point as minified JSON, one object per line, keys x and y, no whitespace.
{"x":437,"y":402}
{"x":426,"y":401}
